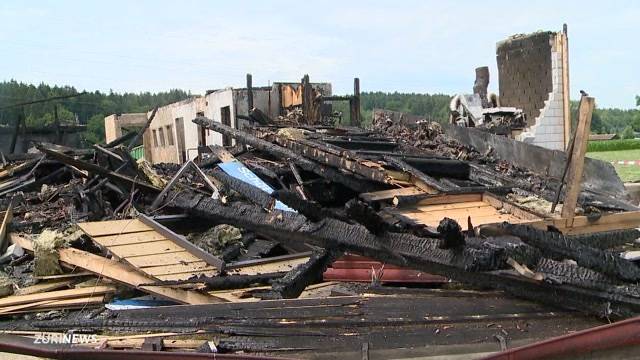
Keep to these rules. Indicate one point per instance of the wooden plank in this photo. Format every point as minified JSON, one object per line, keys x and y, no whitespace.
{"x":390,"y":194}
{"x":447,"y":199}
{"x":73,"y":274}
{"x":53,"y":305}
{"x":461,"y":205}
{"x":478,"y":220}
{"x":180,"y":257}
{"x":121,"y":273}
{"x":574,"y":176}
{"x":132,"y":238}
{"x":149,"y":248}
{"x":6,"y":220}
{"x":186,"y":275}
{"x":510,"y":207}
{"x":45,"y":286}
{"x":279,"y":266}
{"x":113,"y":227}
{"x":475,"y":211}
{"x":55,"y":295}
{"x":177,"y":268}
{"x":181,"y":241}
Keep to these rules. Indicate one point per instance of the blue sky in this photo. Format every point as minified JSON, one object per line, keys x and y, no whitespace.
{"x":405,"y":46}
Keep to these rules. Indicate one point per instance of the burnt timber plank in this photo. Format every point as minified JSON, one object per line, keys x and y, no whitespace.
{"x":112,"y":175}
{"x":390,"y":194}
{"x":330,"y":173}
{"x":402,"y":250}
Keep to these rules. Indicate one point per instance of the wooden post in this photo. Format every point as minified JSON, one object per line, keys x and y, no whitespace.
{"x":57,"y":124}
{"x":16,"y":130}
{"x":307,"y":94}
{"x":574,"y":178}
{"x":354,"y":103}
{"x":249,"y":94}
{"x":565,"y":86}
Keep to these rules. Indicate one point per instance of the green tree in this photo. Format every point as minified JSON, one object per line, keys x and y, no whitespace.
{"x":627,"y":133}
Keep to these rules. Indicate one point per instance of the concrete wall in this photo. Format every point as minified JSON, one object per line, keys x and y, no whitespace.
{"x":215,"y":101}
{"x":530,"y":78}
{"x":113,"y":124}
{"x":261,"y":100}
{"x":161,"y":140}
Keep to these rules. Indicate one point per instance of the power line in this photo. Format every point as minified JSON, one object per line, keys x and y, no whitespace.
{"x":42,"y":100}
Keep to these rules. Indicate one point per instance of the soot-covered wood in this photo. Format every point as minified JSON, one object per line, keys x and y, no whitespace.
{"x":350,"y":181}
{"x":465,"y":265}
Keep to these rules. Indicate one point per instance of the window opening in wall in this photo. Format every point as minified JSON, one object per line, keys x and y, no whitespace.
{"x":180,"y":139}
{"x":170,"y":134}
{"x":155,"y":139}
{"x":161,"y":135}
{"x":225,"y":116}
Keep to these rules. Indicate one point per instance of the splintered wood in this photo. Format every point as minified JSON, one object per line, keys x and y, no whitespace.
{"x":146,"y":249}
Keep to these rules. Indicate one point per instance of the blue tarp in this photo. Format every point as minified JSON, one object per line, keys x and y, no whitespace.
{"x":242,"y":173}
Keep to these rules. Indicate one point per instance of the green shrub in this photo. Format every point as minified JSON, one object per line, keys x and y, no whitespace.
{"x":613,"y":145}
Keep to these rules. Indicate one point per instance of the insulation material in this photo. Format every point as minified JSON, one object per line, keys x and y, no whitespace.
{"x":46,"y":247}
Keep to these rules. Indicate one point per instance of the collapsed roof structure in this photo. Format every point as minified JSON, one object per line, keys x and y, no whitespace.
{"x":299,"y":240}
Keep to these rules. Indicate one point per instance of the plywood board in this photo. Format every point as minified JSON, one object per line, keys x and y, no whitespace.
{"x":150,"y":248}
{"x":132,"y":238}
{"x":462,"y":207}
{"x":277,"y":266}
{"x":180,"y":257}
{"x":197,"y":266}
{"x":113,"y":227}
{"x":45,"y":286}
{"x":55,"y":295}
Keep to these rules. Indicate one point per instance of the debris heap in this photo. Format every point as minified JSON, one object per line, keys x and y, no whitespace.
{"x":264,"y":236}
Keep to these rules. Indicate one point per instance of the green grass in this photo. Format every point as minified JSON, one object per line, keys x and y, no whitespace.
{"x":613,"y":145}
{"x":628,"y":173}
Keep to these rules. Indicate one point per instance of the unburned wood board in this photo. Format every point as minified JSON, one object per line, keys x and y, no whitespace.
{"x":122,"y":273}
{"x":460,"y":208}
{"x":140,"y":245}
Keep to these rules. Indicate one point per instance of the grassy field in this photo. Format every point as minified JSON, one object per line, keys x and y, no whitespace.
{"x":628,"y":173}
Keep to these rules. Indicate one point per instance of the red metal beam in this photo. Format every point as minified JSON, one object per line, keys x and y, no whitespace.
{"x":619,"y":334}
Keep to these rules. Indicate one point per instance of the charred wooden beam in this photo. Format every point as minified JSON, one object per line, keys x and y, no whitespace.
{"x":260,"y":117}
{"x":451,"y":233}
{"x":248,"y":191}
{"x":567,"y":273}
{"x":112,"y":175}
{"x":236,"y":281}
{"x":295,"y":281}
{"x":310,"y":209}
{"x":405,"y":250}
{"x":556,"y":245}
{"x":451,"y":168}
{"x":607,"y":239}
{"x":352,"y":182}
{"x":366,"y":215}
{"x":418,"y":176}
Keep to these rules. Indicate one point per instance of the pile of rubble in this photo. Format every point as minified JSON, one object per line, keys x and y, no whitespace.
{"x":279,"y":240}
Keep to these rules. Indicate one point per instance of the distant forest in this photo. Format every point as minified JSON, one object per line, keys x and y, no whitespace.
{"x":91,"y":108}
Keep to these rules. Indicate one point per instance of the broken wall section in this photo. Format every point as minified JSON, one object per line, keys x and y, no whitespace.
{"x":530,"y":71}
